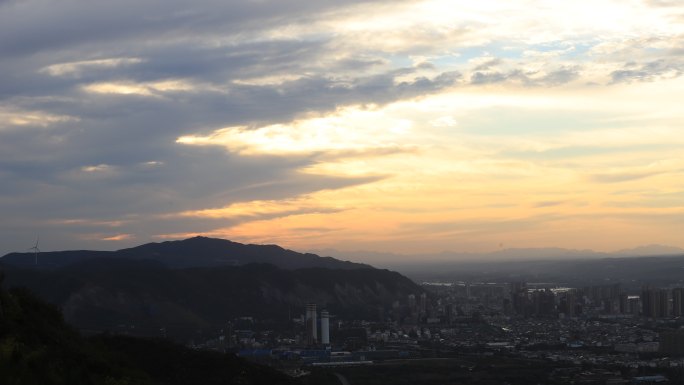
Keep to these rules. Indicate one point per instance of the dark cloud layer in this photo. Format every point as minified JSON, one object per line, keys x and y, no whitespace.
{"x":110,"y":161}
{"x":95,"y":95}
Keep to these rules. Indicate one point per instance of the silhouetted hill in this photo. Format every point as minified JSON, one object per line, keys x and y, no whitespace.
{"x":37,"y":347}
{"x":111,"y":294}
{"x":192,"y":252}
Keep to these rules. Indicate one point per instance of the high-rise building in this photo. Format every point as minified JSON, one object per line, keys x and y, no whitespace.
{"x":663,"y":303}
{"x":543,"y":303}
{"x":570,"y":303}
{"x":624,"y":304}
{"x":412,"y":301}
{"x":519,"y":298}
{"x":649,"y":302}
{"x":311,"y":324}
{"x":655,"y":303}
{"x":678,"y":302}
{"x":423,"y":303}
{"x":325,"y":328}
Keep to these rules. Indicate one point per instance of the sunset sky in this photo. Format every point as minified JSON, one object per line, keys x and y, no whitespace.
{"x":395,"y":126}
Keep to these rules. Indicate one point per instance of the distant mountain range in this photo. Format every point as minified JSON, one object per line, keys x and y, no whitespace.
{"x":632,"y":272}
{"x":652,"y":264}
{"x":650,"y":251}
{"x":396,"y":261}
{"x":192,"y":252}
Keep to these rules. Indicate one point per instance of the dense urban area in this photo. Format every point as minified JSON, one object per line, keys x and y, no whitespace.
{"x":597,"y":334}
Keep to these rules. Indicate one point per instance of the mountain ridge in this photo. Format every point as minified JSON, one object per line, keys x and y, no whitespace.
{"x":191,"y":252}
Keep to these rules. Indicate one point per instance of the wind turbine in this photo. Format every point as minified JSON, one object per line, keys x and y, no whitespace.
{"x":36,"y":250}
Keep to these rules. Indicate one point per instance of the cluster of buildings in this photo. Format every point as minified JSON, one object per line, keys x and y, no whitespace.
{"x":526,"y":300}
{"x":589,"y":327}
{"x":568,"y":302}
{"x":662,"y":303}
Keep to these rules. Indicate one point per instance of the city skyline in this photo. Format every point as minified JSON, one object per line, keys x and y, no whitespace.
{"x":406,"y":127}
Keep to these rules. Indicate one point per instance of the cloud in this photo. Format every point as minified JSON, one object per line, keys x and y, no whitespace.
{"x":481,"y":226}
{"x":663,"y":3}
{"x":76,"y":69}
{"x":662,"y":167}
{"x":648,"y":72}
{"x":261,"y":209}
{"x":555,"y":77}
{"x":117,"y":237}
{"x":39,"y":27}
{"x":548,"y":204}
{"x":617,"y":177}
{"x":487,"y":65}
{"x":98,"y":95}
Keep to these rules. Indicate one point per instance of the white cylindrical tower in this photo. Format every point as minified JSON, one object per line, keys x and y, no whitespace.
{"x":325,"y":328}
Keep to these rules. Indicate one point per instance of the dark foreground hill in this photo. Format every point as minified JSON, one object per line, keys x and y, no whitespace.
{"x":192,"y":252}
{"x":37,"y":347}
{"x":145,"y":296}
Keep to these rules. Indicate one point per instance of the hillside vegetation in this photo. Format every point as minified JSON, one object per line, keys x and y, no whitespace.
{"x":103,"y":294}
{"x":38,"y":347}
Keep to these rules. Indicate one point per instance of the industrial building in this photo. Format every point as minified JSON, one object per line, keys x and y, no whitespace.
{"x":312,"y":326}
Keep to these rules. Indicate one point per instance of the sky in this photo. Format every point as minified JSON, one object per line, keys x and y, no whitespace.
{"x":392,"y":126}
